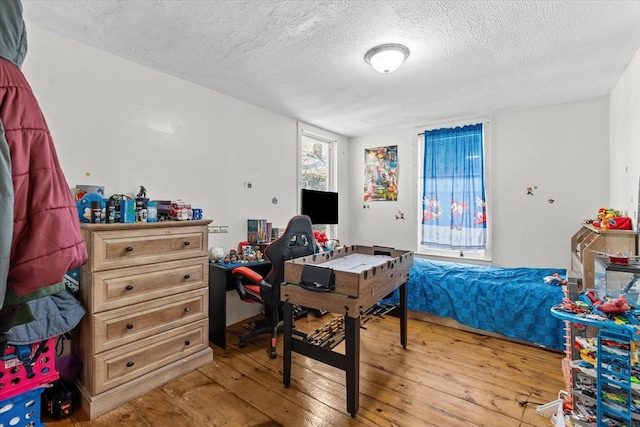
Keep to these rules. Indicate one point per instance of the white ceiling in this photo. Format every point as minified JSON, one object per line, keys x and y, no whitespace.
{"x":305,"y":58}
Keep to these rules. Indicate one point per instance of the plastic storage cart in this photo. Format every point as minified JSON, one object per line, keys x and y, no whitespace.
{"x":616,"y":359}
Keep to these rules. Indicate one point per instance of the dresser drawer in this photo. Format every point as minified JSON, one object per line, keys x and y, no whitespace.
{"x":123,"y":364}
{"x":126,"y":248}
{"x":128,"y":324}
{"x":123,"y":287}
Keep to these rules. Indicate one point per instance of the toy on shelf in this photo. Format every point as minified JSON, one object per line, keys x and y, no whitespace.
{"x":616,"y":305}
{"x":322,"y":240}
{"x":248,"y":253}
{"x":595,"y":310}
{"x":142,"y":194}
{"x":608,"y":218}
{"x":324,"y":243}
{"x":216,"y":253}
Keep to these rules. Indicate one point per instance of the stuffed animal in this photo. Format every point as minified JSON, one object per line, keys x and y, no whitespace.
{"x":84,"y":206}
{"x":606,"y":217}
{"x":216,"y":253}
{"x":321,"y":239}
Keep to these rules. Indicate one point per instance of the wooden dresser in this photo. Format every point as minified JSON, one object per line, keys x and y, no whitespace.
{"x":145,"y":290}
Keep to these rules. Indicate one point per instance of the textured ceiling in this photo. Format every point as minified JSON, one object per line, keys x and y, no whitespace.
{"x":305,"y":59}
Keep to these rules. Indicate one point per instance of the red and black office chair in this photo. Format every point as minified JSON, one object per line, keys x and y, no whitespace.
{"x":296,"y":242}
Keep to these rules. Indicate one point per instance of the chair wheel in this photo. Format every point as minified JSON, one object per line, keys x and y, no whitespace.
{"x":242,"y":344}
{"x":273,"y":354}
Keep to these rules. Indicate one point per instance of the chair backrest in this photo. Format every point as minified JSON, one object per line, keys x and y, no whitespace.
{"x":297,"y":241}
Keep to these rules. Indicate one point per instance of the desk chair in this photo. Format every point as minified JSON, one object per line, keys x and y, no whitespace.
{"x":297,"y":241}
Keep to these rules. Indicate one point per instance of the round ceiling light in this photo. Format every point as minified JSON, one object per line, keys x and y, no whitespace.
{"x":387,"y":57}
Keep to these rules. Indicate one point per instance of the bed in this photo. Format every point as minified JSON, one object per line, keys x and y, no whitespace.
{"x":513,"y":302}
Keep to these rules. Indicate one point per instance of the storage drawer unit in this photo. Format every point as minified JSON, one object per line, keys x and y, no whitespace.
{"x":145,"y":289}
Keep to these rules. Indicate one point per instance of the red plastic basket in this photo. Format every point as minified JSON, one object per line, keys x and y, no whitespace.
{"x":23,"y":410}
{"x":15,"y":378}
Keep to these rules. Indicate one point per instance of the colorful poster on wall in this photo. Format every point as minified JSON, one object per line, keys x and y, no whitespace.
{"x":381,"y":174}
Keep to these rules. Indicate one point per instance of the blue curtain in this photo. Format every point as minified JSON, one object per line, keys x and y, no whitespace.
{"x":453,"y":198}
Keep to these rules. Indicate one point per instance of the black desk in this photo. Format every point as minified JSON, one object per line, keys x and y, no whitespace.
{"x":220,"y":281}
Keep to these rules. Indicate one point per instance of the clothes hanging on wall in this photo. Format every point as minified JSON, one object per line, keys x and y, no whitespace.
{"x":43,"y":239}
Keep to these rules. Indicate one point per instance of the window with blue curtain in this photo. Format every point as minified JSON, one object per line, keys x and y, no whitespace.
{"x":454,"y":216}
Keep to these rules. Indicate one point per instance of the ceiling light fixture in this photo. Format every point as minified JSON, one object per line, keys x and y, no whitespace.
{"x":387,"y":57}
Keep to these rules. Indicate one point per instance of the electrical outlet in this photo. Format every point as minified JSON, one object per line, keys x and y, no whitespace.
{"x":218,"y":229}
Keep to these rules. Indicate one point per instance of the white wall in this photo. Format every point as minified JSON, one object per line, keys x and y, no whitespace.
{"x":121,"y":125}
{"x":118,"y":124}
{"x":375,"y":223}
{"x":561,"y":150}
{"x":624,"y":142}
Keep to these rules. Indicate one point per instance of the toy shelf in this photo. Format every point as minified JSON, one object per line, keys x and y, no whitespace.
{"x":616,"y":357}
{"x":614,"y":363}
{"x":588,"y":241}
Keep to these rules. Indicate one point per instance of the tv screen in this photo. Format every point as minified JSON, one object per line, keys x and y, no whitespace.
{"x":320,"y":206}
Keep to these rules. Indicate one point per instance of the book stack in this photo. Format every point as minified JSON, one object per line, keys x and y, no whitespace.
{"x":257,"y":231}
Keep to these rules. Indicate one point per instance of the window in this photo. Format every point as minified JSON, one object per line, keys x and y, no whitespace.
{"x":317,"y":165}
{"x":453,"y":197}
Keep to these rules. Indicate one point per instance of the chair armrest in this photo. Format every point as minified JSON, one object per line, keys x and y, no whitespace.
{"x":257,"y":291}
{"x":254,"y":276}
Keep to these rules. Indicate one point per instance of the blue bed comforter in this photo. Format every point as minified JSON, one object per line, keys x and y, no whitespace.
{"x":514,"y":302}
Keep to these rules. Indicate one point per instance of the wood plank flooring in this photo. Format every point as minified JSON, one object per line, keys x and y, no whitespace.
{"x":445,"y":378}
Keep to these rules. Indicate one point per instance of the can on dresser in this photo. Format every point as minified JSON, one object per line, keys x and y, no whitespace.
{"x":96,"y":211}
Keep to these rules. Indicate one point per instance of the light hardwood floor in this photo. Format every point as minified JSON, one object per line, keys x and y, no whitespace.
{"x":445,"y":378}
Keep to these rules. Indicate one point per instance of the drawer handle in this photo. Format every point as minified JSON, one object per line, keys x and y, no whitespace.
{"x":129,"y":326}
{"x":130,"y":364}
{"x":129,"y":287}
{"x":129,"y":249}
{"x":186,"y":276}
{"x":187,"y":243}
{"x":187,"y":309}
{"x":187,"y":342}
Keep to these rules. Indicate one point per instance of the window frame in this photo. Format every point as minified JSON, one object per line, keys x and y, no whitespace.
{"x":307,"y":131}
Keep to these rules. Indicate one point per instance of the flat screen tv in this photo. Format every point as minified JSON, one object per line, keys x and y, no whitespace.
{"x":320,"y":206}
